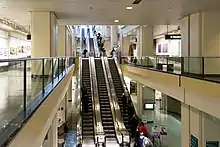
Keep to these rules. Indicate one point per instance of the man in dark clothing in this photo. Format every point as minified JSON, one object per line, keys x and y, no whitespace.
{"x":112,"y":53}
{"x":130,"y":110}
{"x":85,"y":99}
{"x":84,"y":41}
{"x":84,"y":53}
{"x":133,"y":125}
{"x":124,"y":101}
{"x":137,"y":137}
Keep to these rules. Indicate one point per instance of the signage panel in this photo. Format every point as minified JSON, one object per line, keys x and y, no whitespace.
{"x":173,"y":37}
{"x":212,"y":144}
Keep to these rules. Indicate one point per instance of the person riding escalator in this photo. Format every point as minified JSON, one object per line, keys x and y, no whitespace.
{"x":85,"y":98}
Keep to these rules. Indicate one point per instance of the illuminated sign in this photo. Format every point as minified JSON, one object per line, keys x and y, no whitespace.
{"x":173,"y":37}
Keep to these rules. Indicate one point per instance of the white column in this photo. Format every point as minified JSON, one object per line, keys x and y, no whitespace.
{"x":191,"y":125}
{"x":139,"y":105}
{"x":43,"y":32}
{"x":61,"y":40}
{"x":114,"y":36}
{"x":200,"y":37}
{"x":125,"y":46}
{"x":148,"y":95}
{"x":107,"y":31}
{"x":52,"y":136}
{"x":185,"y":125}
{"x":145,"y":41}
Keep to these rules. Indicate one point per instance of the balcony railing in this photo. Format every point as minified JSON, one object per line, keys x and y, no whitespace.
{"x":207,"y":68}
{"x":25,"y":84}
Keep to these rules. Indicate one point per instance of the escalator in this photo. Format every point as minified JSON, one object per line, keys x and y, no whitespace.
{"x":87,"y":118}
{"x":118,"y":90}
{"x":106,"y":113}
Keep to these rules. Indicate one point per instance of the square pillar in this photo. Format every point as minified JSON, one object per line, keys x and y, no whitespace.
{"x":145,"y":41}
{"x":51,"y":139}
{"x":200,"y":38}
{"x":44,"y":34}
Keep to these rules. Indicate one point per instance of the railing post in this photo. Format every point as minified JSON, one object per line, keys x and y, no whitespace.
{"x":25,"y":87}
{"x":203,"y":67}
{"x":182,"y":64}
{"x":52,"y":76}
{"x":58,"y":68}
{"x":43,"y":90}
{"x":141,"y":62}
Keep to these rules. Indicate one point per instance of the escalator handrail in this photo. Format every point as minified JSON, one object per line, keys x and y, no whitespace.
{"x":123,"y":83}
{"x":97,"y":53}
{"x":117,"y":111}
{"x":79,"y":105}
{"x":99,"y":132}
{"x":92,"y":97}
{"x":116,"y":126}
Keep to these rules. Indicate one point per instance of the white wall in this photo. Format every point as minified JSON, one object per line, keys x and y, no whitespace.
{"x":163,"y":29}
{"x":129,"y":28}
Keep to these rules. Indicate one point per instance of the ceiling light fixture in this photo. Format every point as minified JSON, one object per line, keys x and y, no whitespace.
{"x":129,"y":8}
{"x":116,"y":20}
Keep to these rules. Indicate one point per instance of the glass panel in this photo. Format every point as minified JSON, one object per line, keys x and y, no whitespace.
{"x":12,"y":84}
{"x":34,"y":80}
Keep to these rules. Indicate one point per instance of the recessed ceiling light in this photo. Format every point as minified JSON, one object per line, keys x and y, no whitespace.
{"x":129,"y":8}
{"x":3,"y":6}
{"x":116,"y":20}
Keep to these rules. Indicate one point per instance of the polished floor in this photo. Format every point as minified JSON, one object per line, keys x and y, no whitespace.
{"x":171,"y":121}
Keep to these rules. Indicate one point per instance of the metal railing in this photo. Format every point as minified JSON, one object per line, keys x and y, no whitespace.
{"x":197,"y":67}
{"x":26,"y":83}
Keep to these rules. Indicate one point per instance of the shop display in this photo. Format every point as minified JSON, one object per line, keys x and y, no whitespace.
{"x":165,"y":48}
{"x":19,"y":48}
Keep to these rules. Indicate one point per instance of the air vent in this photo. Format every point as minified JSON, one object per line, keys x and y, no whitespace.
{"x":136,"y":1}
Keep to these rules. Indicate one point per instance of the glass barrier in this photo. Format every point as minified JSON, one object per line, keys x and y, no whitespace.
{"x":198,"y":67}
{"x":25,"y":83}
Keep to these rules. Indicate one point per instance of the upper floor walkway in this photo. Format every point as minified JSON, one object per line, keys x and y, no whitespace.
{"x":191,"y":80}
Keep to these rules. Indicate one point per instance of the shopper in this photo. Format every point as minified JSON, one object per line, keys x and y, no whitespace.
{"x":124,"y":101}
{"x":84,"y":40}
{"x":84,"y":53}
{"x":143,"y":129}
{"x":112,"y":53}
{"x":130,"y":110}
{"x":133,"y":125}
{"x":85,"y":99}
{"x":137,"y":137}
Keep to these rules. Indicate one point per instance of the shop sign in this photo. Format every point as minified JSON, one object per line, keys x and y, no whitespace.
{"x":193,"y":141}
{"x":173,"y":37}
{"x":212,"y":144}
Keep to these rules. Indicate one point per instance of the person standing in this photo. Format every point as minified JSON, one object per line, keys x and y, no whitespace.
{"x":124,"y":101}
{"x":143,"y":129}
{"x":84,"y":53}
{"x":85,"y":99}
{"x":137,"y":137}
{"x":133,"y":125}
{"x":130,"y":110}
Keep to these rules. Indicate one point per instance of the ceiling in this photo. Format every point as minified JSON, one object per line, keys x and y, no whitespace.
{"x":148,"y":12}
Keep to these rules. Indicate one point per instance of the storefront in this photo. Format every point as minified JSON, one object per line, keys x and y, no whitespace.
{"x":13,"y":45}
{"x":19,"y":47}
{"x":168,"y":46}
